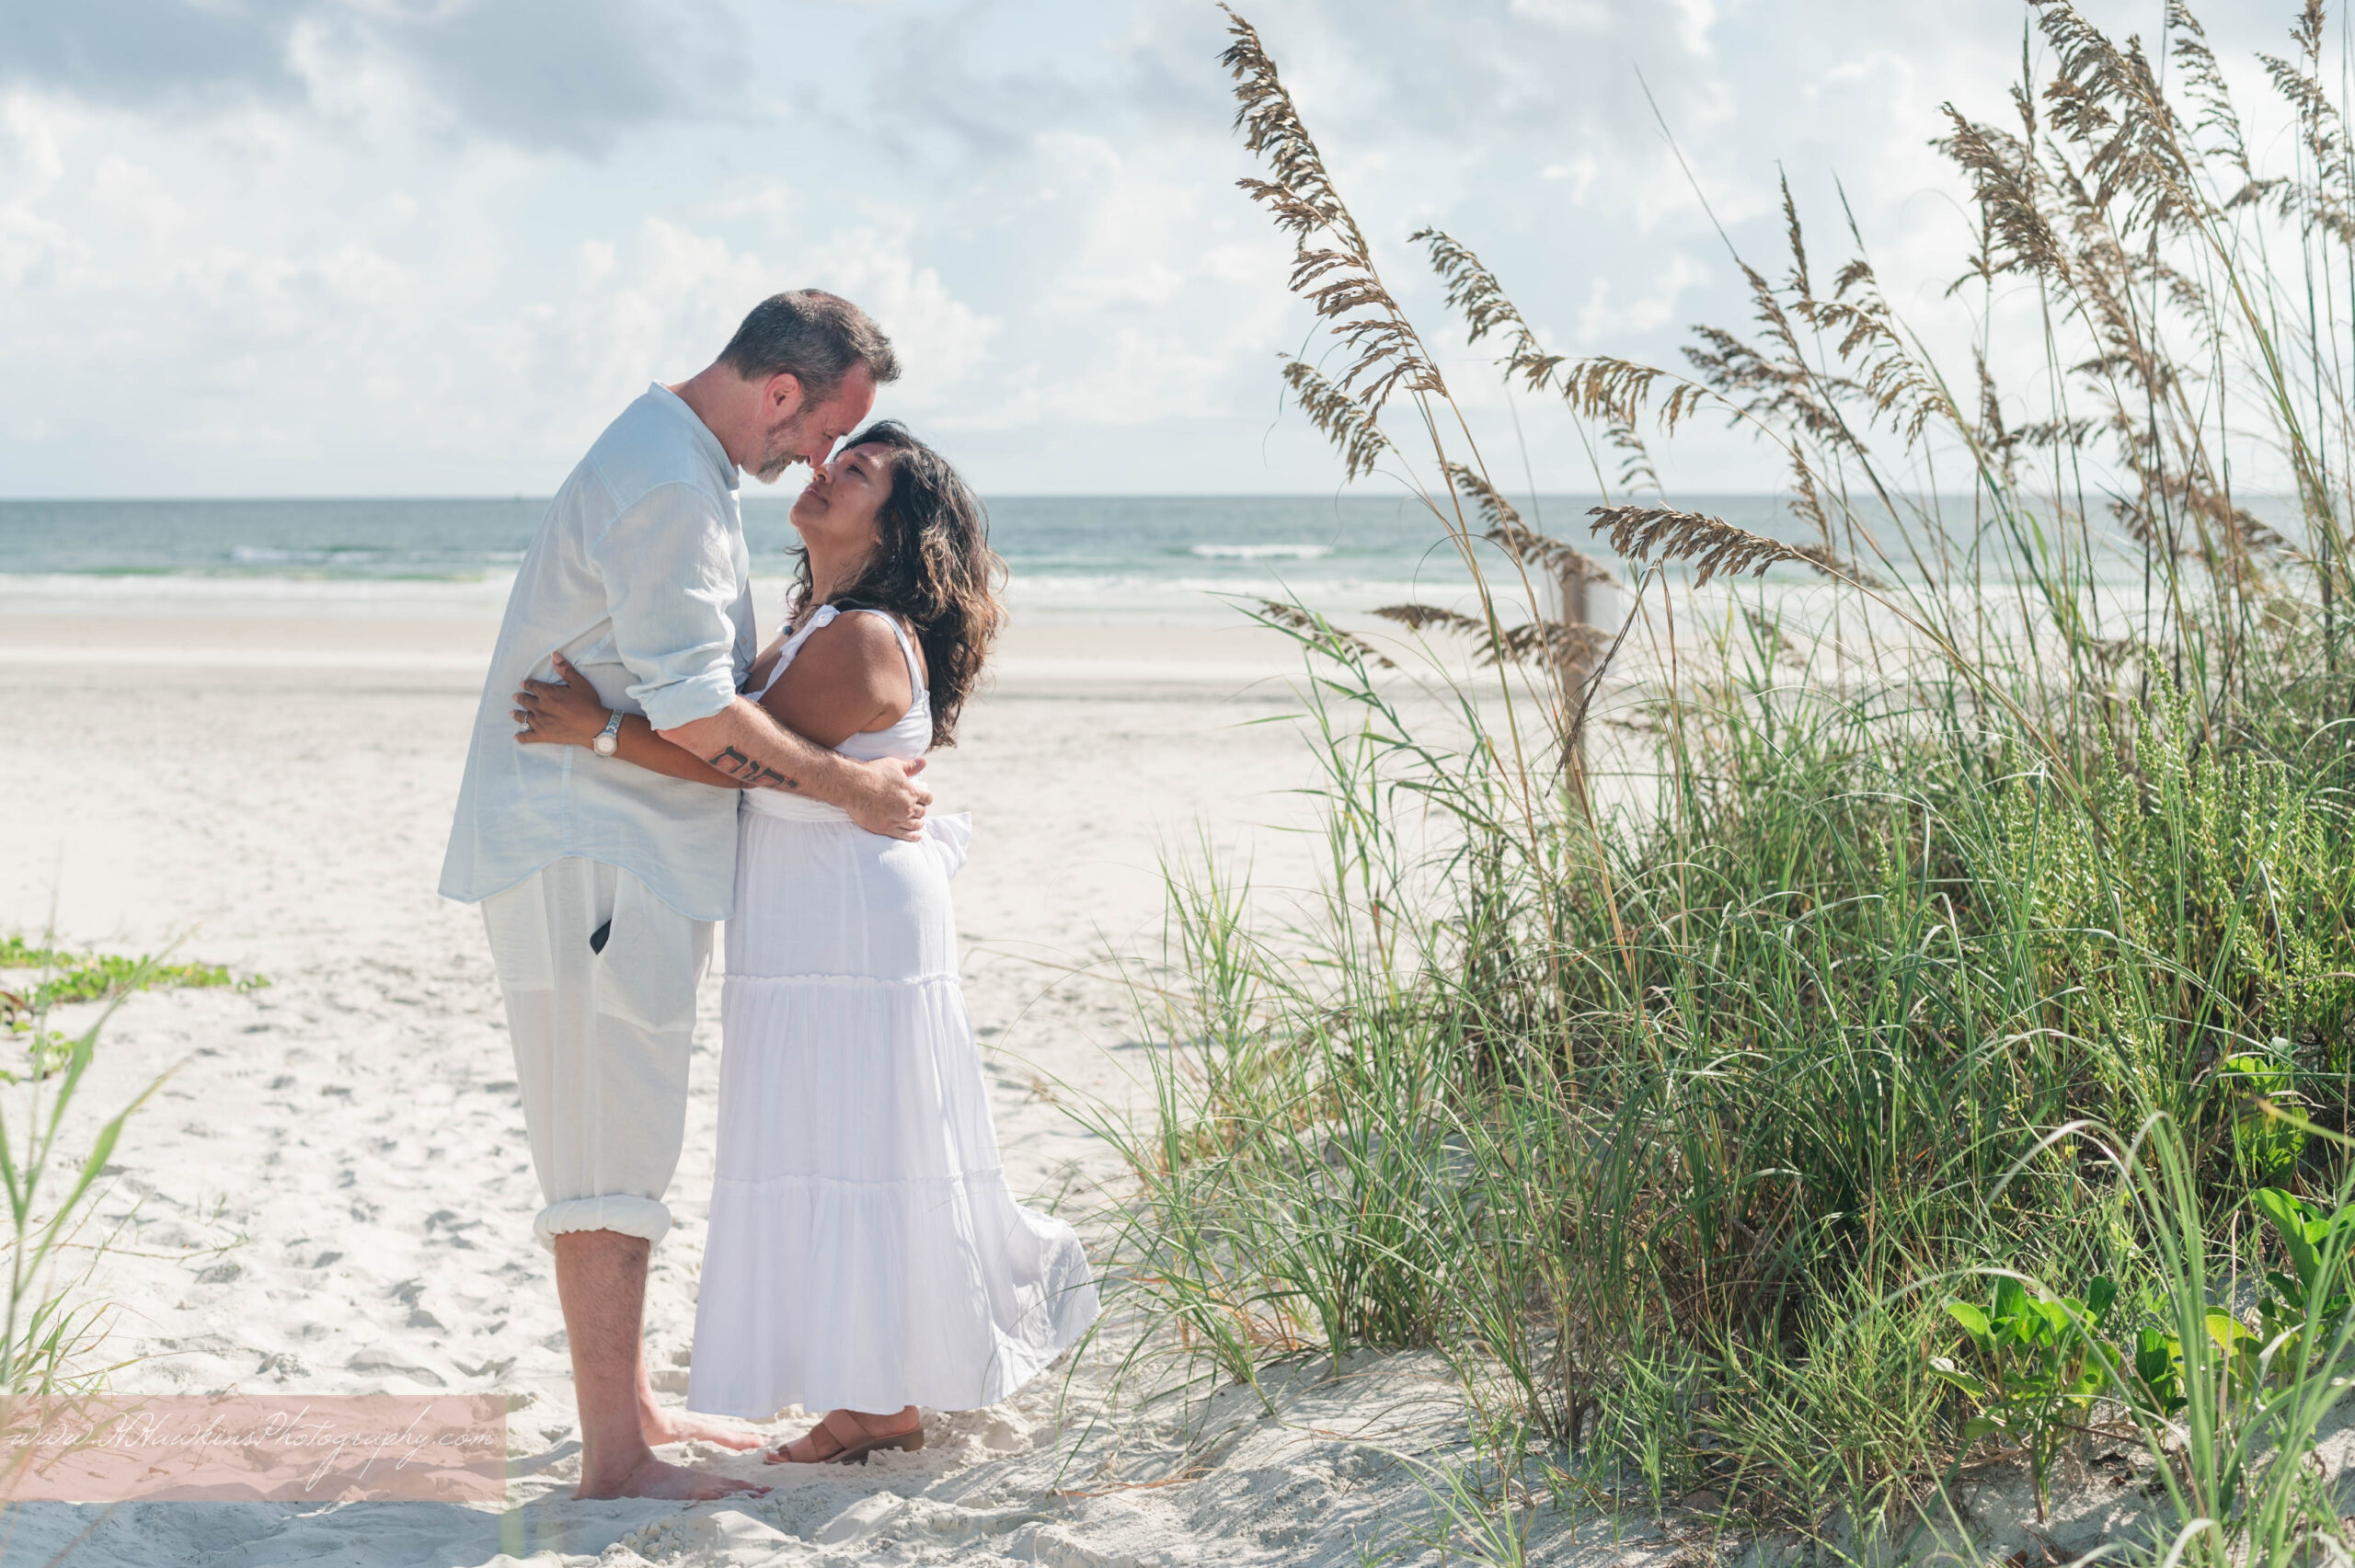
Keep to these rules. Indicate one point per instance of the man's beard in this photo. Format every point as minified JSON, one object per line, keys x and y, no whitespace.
{"x":779,"y":445}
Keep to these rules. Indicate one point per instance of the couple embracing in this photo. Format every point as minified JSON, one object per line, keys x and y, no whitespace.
{"x":641,"y":768}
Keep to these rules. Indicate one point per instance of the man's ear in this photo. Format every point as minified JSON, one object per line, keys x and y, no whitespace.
{"x":781,"y":397}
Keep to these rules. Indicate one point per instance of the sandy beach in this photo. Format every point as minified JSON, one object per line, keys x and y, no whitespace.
{"x":330,"y":1193}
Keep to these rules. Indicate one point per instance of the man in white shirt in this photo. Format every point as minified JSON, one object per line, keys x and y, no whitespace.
{"x":599,"y":881}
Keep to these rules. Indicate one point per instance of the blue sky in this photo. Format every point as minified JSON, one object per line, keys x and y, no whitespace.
{"x":429,"y":246}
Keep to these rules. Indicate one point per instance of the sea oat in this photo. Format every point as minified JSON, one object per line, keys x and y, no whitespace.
{"x":1540,"y":642}
{"x":1345,"y":421}
{"x":1525,"y":544}
{"x":1337,"y":277}
{"x":1473,"y":290}
{"x":1420,"y":617}
{"x":1712,"y":545}
{"x":1830,"y":565}
{"x":1322,"y":634}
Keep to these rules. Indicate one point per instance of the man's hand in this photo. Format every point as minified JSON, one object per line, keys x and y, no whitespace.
{"x":746,"y":743}
{"x":889,"y":801}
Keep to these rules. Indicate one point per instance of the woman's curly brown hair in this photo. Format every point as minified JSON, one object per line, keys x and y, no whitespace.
{"x":933,"y":567}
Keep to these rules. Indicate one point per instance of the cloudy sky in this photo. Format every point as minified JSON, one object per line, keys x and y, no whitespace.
{"x":429,"y":246}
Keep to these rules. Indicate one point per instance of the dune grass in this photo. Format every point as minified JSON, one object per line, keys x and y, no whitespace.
{"x":1697,"y":1014}
{"x":53,"y":1325}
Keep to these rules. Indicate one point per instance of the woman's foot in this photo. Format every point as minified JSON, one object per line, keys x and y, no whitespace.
{"x":846,"y":1436}
{"x":685,"y":1426}
{"x":658,"y":1424}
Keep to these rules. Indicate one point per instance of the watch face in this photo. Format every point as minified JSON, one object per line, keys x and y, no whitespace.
{"x":606,"y":745}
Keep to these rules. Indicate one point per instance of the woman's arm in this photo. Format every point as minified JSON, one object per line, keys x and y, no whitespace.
{"x":849,"y":677}
{"x":565,"y":711}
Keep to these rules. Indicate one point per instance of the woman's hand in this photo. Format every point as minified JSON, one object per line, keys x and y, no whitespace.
{"x":563,"y":711}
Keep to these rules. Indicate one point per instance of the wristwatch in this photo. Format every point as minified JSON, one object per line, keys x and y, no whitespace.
{"x":609,"y":739}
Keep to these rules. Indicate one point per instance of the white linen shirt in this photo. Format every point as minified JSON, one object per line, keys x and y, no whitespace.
{"x":639,"y":576}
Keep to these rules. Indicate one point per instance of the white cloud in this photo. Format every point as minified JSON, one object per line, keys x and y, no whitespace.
{"x":342,"y":262}
{"x":359,"y":86}
{"x":1694,"y":19}
{"x":1581,"y":16}
{"x":624,"y":320}
{"x":1579,"y":171}
{"x":941,"y":340}
{"x":376,"y":338}
{"x":1601,"y":322}
{"x":31,"y":167}
{"x":543,"y":74}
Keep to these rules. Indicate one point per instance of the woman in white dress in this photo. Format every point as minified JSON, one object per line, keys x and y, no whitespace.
{"x":864,"y":1255}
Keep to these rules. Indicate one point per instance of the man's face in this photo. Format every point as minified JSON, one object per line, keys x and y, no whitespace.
{"x":805,"y":432}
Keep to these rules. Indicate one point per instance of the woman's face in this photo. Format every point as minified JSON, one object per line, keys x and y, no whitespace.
{"x":837,"y":511}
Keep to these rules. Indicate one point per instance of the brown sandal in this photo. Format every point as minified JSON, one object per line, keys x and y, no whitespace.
{"x":846,"y":1453}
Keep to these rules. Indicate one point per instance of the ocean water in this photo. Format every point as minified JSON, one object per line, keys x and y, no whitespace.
{"x":1167,"y":559}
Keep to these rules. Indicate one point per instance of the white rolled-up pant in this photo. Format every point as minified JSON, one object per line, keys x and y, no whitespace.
{"x":601,"y":1040}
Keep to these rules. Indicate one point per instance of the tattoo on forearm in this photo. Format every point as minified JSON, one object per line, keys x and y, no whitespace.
{"x":736,"y":765}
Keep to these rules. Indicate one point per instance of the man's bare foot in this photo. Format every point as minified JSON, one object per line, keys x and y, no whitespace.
{"x":842,"y":1431}
{"x":652,"y":1478}
{"x":685,"y":1426}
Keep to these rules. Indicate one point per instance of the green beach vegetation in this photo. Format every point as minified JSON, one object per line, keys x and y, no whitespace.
{"x":1821,"y":1039}
{"x":60,"y":976}
{"x":54,"y":1324}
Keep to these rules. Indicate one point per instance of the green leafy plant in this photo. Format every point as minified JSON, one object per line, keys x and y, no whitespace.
{"x":2157,"y":1375}
{"x":2315,"y":1242}
{"x":63,"y":975}
{"x":2234,"y":1453}
{"x":2264,"y":1145}
{"x":2039,"y":1364}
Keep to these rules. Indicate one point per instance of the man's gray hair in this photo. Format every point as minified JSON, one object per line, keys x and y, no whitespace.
{"x":810,"y":335}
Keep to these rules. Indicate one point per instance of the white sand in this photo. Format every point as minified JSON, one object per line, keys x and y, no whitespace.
{"x":331,"y":1193}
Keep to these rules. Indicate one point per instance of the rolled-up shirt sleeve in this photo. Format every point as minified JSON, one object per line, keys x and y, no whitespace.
{"x":669,"y":564}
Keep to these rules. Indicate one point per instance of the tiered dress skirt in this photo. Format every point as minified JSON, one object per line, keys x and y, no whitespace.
{"x":864,"y":1250}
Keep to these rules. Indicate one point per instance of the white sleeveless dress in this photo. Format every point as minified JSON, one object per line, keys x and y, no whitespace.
{"x":864,"y":1250}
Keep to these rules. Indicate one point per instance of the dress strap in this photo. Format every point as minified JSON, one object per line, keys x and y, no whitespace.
{"x":916,"y":684}
{"x":824,"y":616}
